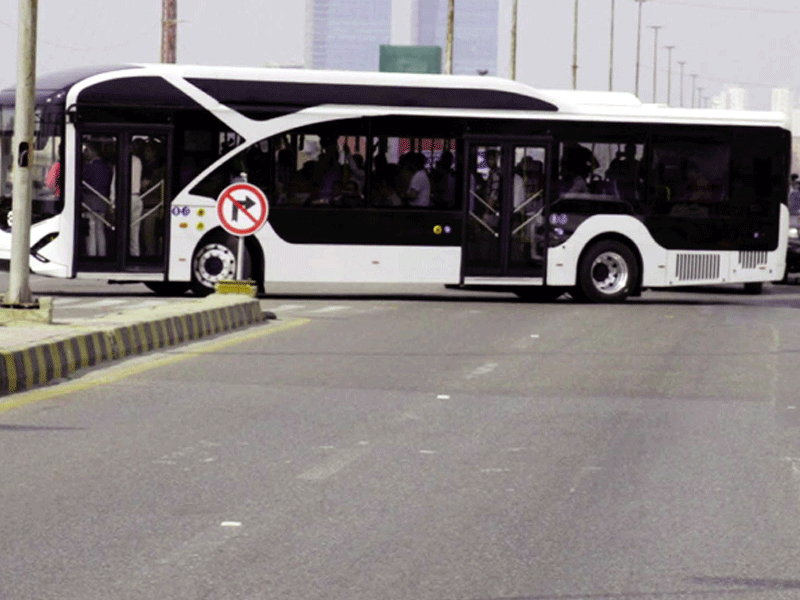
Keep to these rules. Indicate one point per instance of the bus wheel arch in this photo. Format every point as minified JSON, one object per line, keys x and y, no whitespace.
{"x":609,"y":270}
{"x":214,"y":259}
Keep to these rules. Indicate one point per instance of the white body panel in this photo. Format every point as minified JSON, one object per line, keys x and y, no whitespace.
{"x":412,"y":264}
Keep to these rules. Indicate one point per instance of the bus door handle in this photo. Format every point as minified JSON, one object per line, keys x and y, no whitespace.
{"x":486,"y":204}
{"x":98,"y":215}
{"x":528,"y":201}
{"x":485,"y":225}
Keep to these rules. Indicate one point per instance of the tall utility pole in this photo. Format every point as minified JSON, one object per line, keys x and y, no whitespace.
{"x":682,"y":63}
{"x":638,"y":45}
{"x":514,"y":40}
{"x":669,"y":74}
{"x":169,"y":26}
{"x":655,"y":29}
{"x":575,"y":50}
{"x":19,"y":291}
{"x":451,"y":15}
{"x":699,"y":97}
{"x":694,"y":83}
{"x":611,"y":57}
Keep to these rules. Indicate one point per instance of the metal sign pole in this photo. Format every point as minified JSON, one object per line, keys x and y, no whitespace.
{"x":240,"y":258}
{"x":18,"y":285}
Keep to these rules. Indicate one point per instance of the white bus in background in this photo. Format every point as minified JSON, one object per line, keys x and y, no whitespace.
{"x":464,"y":181}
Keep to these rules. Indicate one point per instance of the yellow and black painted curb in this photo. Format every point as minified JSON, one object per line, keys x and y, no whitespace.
{"x":36,"y":365}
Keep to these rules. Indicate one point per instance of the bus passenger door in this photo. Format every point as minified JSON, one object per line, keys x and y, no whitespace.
{"x":123,"y":201}
{"x":505,"y":210}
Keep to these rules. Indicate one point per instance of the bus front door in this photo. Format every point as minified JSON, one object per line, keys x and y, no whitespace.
{"x":122,"y":201}
{"x":505,"y":210}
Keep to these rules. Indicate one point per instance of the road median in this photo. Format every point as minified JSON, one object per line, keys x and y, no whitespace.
{"x":36,"y":354}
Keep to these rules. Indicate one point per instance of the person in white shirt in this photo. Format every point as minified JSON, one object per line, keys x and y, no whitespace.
{"x":419,"y":188}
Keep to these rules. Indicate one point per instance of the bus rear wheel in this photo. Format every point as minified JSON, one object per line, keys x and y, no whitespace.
{"x":214,"y":260}
{"x":608,"y":272}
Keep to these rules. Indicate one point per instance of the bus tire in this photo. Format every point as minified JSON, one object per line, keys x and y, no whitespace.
{"x":167,"y":288}
{"x":214,"y":260}
{"x":608,"y":272}
{"x":753,"y":287}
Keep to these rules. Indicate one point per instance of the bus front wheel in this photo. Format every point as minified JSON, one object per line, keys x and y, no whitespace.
{"x":608,"y":272}
{"x":214,"y":260}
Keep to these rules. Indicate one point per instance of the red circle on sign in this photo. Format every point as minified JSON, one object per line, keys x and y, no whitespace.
{"x":247,"y":205}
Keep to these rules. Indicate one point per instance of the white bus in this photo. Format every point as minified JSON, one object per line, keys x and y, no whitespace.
{"x":370,"y":177}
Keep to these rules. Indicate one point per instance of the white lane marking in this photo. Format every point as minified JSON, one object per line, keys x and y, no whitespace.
{"x":329,"y":309}
{"x":333,"y":464}
{"x":427,"y":451}
{"x":535,"y":336}
{"x":230,"y":524}
{"x":496,"y":470}
{"x":482,"y":370}
{"x":285,"y":307}
{"x":409,"y":416}
{"x":443,"y":397}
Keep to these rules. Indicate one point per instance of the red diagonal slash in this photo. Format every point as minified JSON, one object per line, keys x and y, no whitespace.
{"x":242,"y":208}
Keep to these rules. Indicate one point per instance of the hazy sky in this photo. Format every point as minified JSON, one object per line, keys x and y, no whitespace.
{"x":753,"y":44}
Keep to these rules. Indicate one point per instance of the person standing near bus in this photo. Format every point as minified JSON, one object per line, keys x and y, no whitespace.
{"x":96,"y":191}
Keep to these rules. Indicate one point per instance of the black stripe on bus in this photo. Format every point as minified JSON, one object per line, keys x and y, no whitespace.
{"x":301,"y":95}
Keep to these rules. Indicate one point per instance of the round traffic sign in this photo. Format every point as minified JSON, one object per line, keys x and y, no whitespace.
{"x":242,"y":209}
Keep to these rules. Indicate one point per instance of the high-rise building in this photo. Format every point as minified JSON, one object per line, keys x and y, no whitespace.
{"x":347,"y":34}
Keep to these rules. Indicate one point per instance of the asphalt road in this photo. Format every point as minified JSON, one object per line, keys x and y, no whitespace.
{"x":423,"y":445}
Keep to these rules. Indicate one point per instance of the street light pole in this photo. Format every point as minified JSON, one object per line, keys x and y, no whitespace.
{"x":699,"y":97}
{"x":655,"y":29}
{"x":19,"y":291}
{"x":682,"y":63}
{"x":169,"y":26}
{"x":638,"y":45}
{"x":669,"y":74}
{"x":514,"y":40}
{"x":575,"y":50}
{"x":694,"y":82}
{"x":451,"y":10}
{"x":611,"y":57}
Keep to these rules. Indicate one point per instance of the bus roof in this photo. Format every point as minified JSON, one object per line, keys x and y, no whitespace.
{"x":238,"y":86}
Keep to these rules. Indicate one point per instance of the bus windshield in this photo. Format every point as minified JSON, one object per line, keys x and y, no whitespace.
{"x":46,"y":164}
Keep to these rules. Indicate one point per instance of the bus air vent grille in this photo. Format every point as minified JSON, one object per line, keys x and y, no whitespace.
{"x":697,"y":267}
{"x":752,"y":260}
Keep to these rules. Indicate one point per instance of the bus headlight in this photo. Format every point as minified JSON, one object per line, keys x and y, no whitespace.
{"x":41,"y":244}
{"x":793,"y":233}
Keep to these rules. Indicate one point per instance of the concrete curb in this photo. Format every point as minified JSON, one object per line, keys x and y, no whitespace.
{"x":109,"y":339}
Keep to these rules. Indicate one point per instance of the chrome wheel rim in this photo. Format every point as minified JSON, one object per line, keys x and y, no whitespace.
{"x":214,"y":263}
{"x":610,"y":273}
